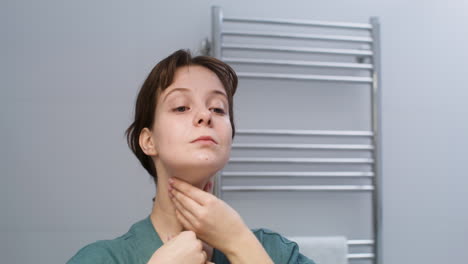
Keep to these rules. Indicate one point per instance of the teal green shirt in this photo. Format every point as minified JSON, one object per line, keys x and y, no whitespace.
{"x":141,"y":241}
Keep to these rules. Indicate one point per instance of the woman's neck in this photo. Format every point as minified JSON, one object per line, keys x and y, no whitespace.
{"x":164,"y":218}
{"x":163,"y":215}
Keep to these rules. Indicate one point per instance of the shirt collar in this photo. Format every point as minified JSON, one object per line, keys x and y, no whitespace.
{"x":148,"y":239}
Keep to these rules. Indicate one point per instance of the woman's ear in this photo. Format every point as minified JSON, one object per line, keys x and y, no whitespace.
{"x":147,"y":143}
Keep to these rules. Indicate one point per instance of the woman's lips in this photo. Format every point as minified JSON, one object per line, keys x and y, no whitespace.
{"x":205,"y":139}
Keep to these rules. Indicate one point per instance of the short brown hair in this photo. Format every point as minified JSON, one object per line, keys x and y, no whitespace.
{"x":160,"y":77}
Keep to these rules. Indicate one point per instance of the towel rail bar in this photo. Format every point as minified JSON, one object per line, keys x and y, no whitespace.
{"x":303,"y":146}
{"x":303,"y":160}
{"x":307,"y":77}
{"x":360,"y":242}
{"x":300,"y":188}
{"x":338,"y":65}
{"x":298,"y":22}
{"x":297,"y":174}
{"x":354,"y":52}
{"x":296,"y":36}
{"x":361,"y":256}
{"x":288,"y":132}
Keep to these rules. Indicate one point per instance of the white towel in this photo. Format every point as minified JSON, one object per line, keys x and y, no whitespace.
{"x":323,"y":250}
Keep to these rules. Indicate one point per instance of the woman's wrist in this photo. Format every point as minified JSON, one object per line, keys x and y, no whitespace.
{"x":247,"y":249}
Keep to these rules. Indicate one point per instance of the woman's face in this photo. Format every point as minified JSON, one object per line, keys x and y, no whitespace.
{"x":194,"y":105}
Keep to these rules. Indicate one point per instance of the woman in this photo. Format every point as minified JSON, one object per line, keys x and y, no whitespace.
{"x":182,"y":135}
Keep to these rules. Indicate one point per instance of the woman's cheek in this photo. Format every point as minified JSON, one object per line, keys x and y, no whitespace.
{"x":227,"y":126}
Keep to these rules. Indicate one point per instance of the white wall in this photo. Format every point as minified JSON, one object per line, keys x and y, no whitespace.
{"x":69,"y":76}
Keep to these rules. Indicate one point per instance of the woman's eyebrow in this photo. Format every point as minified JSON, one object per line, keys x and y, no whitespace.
{"x":181,"y":89}
{"x":219,"y":92}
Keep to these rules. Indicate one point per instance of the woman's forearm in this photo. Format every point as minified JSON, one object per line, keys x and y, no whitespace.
{"x":247,"y":249}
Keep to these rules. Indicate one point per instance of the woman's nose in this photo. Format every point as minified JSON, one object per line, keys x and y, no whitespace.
{"x":203,"y":117}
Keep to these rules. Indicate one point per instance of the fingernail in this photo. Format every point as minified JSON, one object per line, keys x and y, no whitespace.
{"x":171,"y":181}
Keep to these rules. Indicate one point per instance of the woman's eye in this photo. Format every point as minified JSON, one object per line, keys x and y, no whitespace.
{"x":219,"y":110}
{"x":181,"y":109}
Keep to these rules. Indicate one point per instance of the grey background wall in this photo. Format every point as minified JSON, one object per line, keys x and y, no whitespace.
{"x":70,"y":72}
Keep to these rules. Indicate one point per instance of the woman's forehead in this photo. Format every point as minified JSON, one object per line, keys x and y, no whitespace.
{"x":194,"y":79}
{"x":194,"y":74}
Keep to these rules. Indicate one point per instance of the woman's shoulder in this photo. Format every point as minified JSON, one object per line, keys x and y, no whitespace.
{"x":280,"y":248}
{"x":268,"y":234}
{"x":122,"y":249}
{"x":102,"y":251}
{"x":98,"y":252}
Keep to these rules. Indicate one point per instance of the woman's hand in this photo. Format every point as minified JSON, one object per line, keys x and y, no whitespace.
{"x":183,"y":248}
{"x":210,"y":218}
